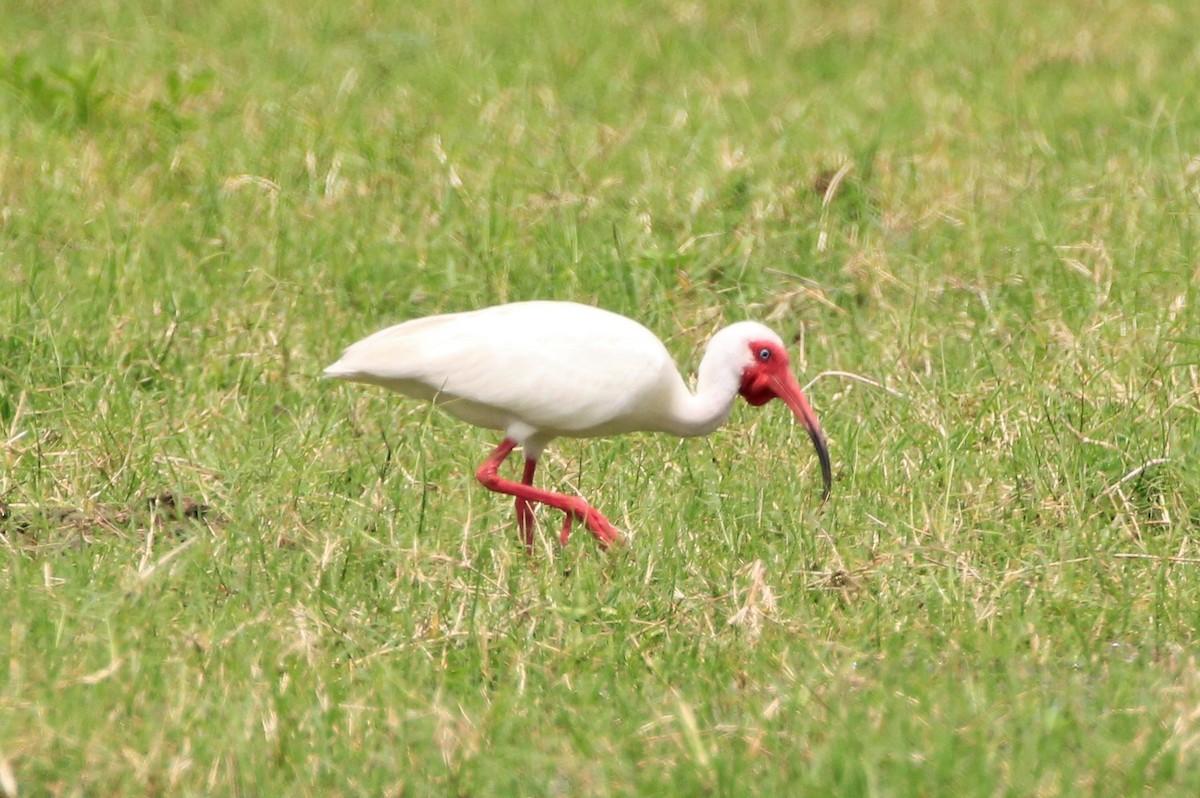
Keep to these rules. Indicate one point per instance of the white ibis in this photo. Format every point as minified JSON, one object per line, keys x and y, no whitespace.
{"x":540,"y":370}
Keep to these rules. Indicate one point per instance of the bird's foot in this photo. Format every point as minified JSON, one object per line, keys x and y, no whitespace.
{"x":605,"y":533}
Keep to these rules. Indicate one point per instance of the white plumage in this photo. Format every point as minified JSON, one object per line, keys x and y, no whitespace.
{"x":540,"y":370}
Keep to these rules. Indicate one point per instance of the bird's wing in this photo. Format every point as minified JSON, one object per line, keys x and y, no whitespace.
{"x":556,"y":366}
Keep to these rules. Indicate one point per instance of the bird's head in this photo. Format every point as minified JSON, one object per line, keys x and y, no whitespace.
{"x":766,"y":375}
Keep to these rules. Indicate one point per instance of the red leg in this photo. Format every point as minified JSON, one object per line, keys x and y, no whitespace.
{"x":524,"y":511}
{"x":572,"y":506}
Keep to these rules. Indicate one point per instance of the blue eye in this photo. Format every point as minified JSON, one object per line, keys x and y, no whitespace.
{"x":764,"y":354}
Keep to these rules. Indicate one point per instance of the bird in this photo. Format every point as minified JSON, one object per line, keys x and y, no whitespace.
{"x":539,"y":370}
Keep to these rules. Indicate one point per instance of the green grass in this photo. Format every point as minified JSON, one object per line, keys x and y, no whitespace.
{"x":202,"y":203}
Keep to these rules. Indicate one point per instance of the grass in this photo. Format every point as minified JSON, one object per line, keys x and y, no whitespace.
{"x":224,"y":576}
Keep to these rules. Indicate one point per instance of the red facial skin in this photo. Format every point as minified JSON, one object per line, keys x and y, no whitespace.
{"x":769,"y":377}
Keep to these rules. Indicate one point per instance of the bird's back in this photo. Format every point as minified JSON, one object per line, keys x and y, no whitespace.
{"x":559,"y":367}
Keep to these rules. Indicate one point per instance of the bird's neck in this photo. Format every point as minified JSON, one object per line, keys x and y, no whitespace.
{"x":707,"y":409}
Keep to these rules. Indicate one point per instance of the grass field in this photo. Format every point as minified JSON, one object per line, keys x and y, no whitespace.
{"x":224,"y":576}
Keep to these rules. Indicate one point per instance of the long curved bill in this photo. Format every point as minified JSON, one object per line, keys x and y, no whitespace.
{"x":787,"y":388}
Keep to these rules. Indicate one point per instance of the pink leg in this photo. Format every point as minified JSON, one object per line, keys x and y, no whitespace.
{"x":573,"y":506}
{"x":524,"y":511}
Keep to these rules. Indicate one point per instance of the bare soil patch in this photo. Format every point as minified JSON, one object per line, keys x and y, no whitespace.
{"x":37,"y":528}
